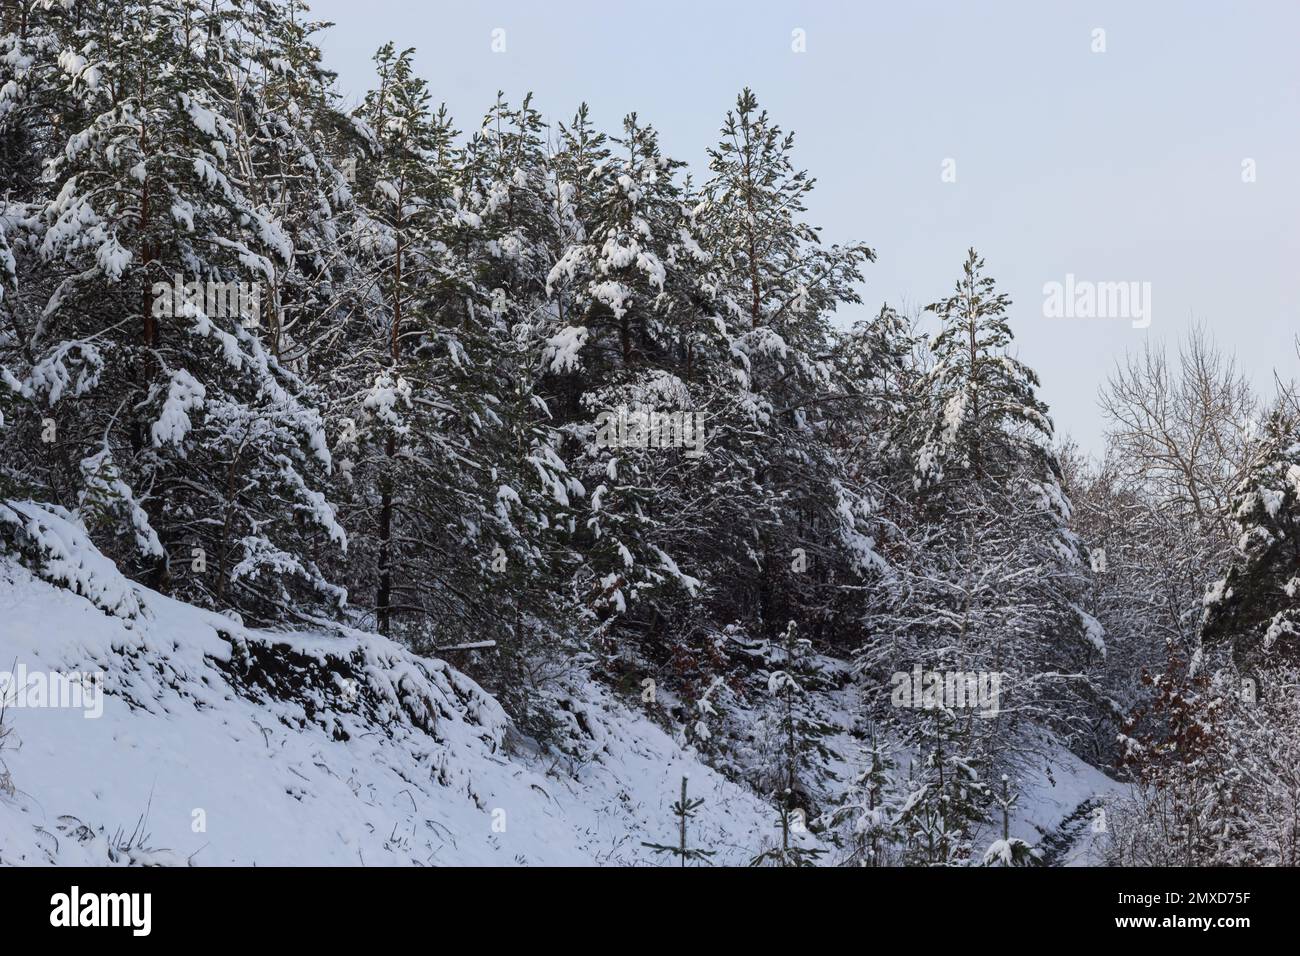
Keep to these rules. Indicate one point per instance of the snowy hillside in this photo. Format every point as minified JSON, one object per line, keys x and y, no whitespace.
{"x":215,"y":744}
{"x":222,"y":745}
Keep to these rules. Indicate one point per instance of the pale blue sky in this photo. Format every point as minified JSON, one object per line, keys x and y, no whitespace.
{"x":1122,"y":165}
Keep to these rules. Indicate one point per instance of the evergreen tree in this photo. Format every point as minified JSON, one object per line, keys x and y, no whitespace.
{"x":774,"y":286}
{"x":799,"y":744}
{"x":178,"y":410}
{"x":514,"y":220}
{"x":400,"y":230}
{"x":683,"y":809}
{"x":871,"y":807}
{"x":985,"y":575}
{"x":986,"y":419}
{"x":1009,"y":851}
{"x":947,"y":797}
{"x":1256,"y":606}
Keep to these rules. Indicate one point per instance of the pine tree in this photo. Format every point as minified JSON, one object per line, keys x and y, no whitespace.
{"x":1009,"y":851}
{"x":683,"y":809}
{"x":515,"y":220}
{"x":799,"y":741}
{"x":774,"y":286}
{"x":1256,"y":606}
{"x":211,"y":447}
{"x":987,"y":418}
{"x":403,"y":214}
{"x":414,"y":387}
{"x":947,"y":797}
{"x":985,"y":574}
{"x":871,"y":807}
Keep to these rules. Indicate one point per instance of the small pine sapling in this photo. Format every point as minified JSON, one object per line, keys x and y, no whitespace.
{"x":798,"y":737}
{"x":1010,"y":851}
{"x":683,"y":809}
{"x":871,"y":808}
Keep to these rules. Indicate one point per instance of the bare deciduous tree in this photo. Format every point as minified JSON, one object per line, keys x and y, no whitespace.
{"x":1183,"y":431}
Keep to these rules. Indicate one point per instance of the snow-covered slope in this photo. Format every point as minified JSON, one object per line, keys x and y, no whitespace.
{"x":219,"y":745}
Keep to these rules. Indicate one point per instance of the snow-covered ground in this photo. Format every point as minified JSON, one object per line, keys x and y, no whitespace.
{"x":1061,"y":809}
{"x":221,"y":745}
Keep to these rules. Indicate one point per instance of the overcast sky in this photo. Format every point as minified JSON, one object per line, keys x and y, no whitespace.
{"x":1122,"y":165}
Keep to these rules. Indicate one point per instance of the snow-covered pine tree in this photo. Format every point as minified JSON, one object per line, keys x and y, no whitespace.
{"x":624,"y":282}
{"x":947,"y":793}
{"x":872,"y":433}
{"x":1256,"y":606}
{"x":1009,"y":850}
{"x":415,"y":388}
{"x":144,"y":260}
{"x":517,"y":221}
{"x":984,"y":575}
{"x":799,"y":750}
{"x":293,"y":151}
{"x":402,"y":215}
{"x":876,"y":362}
{"x":986,"y":420}
{"x":871,"y":807}
{"x":775,"y":286}
{"x":989,"y":487}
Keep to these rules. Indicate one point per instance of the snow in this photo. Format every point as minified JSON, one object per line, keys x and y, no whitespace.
{"x":385,"y":397}
{"x":183,"y":213}
{"x":614,"y":294}
{"x":66,"y":556}
{"x":563,"y":349}
{"x":1093,"y":631}
{"x":184,"y":395}
{"x":220,"y":744}
{"x":72,"y":368}
{"x":314,"y":504}
{"x":113,"y":258}
{"x":566,"y":267}
{"x":105,"y":489}
{"x":205,"y":121}
{"x":1057,"y":788}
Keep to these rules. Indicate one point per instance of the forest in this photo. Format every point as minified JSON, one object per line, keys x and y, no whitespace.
{"x":532,"y":399}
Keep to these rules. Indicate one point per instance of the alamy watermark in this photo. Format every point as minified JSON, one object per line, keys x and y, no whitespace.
{"x":636,"y":428}
{"x":218,"y":300}
{"x":75,"y":908}
{"x":1083,"y":299}
{"x":947,"y":690}
{"x":77,"y":690}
